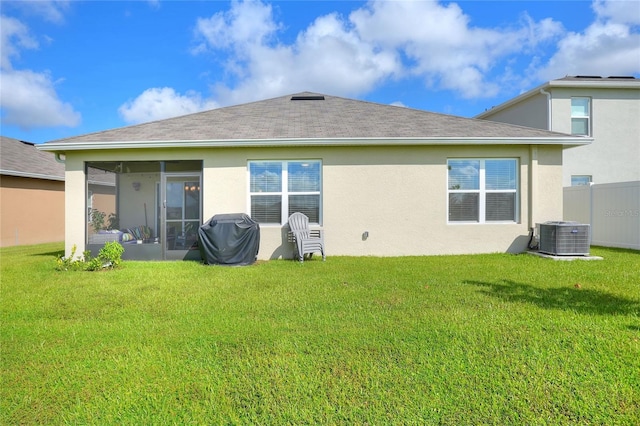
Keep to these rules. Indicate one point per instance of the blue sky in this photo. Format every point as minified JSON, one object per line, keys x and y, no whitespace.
{"x":75,"y":67}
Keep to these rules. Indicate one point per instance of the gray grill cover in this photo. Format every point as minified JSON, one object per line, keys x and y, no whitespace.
{"x":229,"y":239}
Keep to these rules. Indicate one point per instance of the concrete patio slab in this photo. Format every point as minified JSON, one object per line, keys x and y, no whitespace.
{"x":556,"y":257}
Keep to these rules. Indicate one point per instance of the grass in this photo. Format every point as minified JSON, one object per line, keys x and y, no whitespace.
{"x":484,"y":339}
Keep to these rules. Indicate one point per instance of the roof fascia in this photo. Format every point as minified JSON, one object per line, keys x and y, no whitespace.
{"x":595,"y":84}
{"x":30,"y":175}
{"x":100,"y":183}
{"x":312,"y":142}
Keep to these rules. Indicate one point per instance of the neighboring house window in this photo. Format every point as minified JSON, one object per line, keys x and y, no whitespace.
{"x":577,"y":180}
{"x":279,"y":188}
{"x":482,"y":191}
{"x":581,"y":116}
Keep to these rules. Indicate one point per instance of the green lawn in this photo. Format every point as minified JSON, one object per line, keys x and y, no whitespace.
{"x":487,"y":339}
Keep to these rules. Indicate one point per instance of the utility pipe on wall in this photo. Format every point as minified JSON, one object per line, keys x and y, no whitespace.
{"x":533,"y":185}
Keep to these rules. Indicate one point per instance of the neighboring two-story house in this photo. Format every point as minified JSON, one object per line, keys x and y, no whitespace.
{"x":604,"y":108}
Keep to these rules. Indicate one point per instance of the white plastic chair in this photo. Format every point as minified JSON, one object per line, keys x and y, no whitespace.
{"x":307,"y":241}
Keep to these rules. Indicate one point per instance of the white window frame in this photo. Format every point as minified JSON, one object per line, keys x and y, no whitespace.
{"x":482,"y":191}
{"x":582,"y":117}
{"x":284,"y":191}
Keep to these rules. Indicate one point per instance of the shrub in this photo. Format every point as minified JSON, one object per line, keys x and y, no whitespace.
{"x":109,"y":257}
{"x":111,"y":254}
{"x":70,"y":263}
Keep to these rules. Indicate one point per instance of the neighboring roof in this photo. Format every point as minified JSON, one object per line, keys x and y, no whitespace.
{"x":622,"y":82}
{"x":579,"y":81}
{"x":20,"y":158}
{"x":307,"y":119}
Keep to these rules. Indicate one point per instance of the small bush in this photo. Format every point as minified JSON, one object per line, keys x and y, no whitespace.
{"x":111,"y":254}
{"x":109,"y":257}
{"x":70,"y":263}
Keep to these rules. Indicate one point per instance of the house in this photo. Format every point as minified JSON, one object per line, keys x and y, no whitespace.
{"x":604,"y":108}
{"x":31,"y":195}
{"x":381,"y":180}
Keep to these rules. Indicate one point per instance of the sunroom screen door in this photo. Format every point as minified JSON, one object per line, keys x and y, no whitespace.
{"x":182,"y":204}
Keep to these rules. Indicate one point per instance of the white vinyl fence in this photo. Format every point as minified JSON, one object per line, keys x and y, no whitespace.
{"x":612,"y":210}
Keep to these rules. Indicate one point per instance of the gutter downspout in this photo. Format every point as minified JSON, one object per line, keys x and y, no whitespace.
{"x":548,"y":95}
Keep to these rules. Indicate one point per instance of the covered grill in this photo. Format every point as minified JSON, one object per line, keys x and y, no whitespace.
{"x":229,"y":239}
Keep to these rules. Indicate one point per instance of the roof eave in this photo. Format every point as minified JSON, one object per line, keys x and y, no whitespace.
{"x":597,"y":84}
{"x":308,"y":142}
{"x":30,"y":175}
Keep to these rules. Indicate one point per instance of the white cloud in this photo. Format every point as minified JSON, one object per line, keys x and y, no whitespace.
{"x":350,"y":56}
{"x":326,"y":57}
{"x":382,"y":40}
{"x":49,"y":10}
{"x":246,"y":23}
{"x":623,"y":11}
{"x":446,"y":50}
{"x":159,"y":103}
{"x":14,"y":36}
{"x":609,"y":46}
{"x":28,"y":99}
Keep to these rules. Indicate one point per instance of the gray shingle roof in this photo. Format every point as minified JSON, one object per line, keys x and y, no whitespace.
{"x":332,"y":118}
{"x":19,"y":158}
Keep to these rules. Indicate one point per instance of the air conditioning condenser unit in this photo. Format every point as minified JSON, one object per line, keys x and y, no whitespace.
{"x":564,"y":238}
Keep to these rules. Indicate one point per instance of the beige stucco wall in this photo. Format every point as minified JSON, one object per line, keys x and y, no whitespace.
{"x":31,"y":211}
{"x":396,"y":194}
{"x":614,"y":154}
{"x":530,"y":112}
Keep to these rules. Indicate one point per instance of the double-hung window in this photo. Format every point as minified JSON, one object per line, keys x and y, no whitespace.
{"x":482,"y":190}
{"x":279,"y":188}
{"x":581,"y":116}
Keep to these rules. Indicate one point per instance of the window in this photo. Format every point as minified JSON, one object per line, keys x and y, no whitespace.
{"x":279,"y":188}
{"x":580,"y":116}
{"x":577,"y":180}
{"x":482,"y":191}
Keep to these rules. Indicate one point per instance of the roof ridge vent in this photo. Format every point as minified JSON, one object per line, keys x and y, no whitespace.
{"x":307,"y":98}
{"x":588,"y":76}
{"x":626,"y":77}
